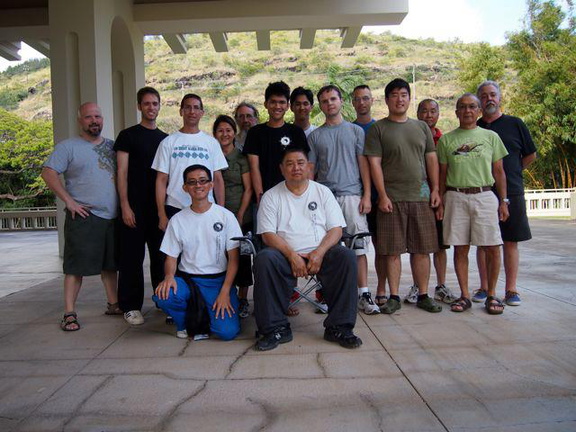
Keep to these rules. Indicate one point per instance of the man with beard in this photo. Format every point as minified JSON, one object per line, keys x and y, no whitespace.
{"x":246,"y":116}
{"x":88,"y":165}
{"x":521,"y":153}
{"x":135,"y":149}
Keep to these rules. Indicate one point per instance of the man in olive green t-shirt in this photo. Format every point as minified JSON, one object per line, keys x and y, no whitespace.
{"x":404,"y":169}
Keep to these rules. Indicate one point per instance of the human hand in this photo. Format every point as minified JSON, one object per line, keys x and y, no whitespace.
{"x":223,"y":306}
{"x":385,"y":204}
{"x":163,"y":288}
{"x":74,"y":208}
{"x":128,"y":216}
{"x":298,"y":265}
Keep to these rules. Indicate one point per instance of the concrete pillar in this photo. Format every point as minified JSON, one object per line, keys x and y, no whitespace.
{"x":97,"y":55}
{"x":573,"y":204}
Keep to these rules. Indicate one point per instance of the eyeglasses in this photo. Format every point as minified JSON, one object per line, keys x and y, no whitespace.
{"x":200,"y":182}
{"x":245,"y":116}
{"x":362,"y":99}
{"x":465,"y":107}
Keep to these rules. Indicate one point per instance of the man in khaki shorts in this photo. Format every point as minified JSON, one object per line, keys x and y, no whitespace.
{"x":470,"y":164}
{"x":404,"y":169}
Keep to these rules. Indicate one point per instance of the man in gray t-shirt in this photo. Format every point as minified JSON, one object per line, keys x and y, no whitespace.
{"x":88,"y":164}
{"x":336,"y":151}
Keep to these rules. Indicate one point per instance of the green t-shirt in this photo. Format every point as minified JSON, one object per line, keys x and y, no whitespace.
{"x":233,"y":186}
{"x":469,"y":154}
{"x":403,"y":148}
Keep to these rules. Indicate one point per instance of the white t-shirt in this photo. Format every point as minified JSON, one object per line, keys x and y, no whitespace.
{"x":302,"y":221}
{"x":180,"y":150}
{"x":202,"y":239}
{"x":308,"y":131}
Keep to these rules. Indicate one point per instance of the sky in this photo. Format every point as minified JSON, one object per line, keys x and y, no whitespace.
{"x":443,"y":20}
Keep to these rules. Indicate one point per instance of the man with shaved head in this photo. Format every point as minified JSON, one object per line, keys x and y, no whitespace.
{"x":88,"y":164}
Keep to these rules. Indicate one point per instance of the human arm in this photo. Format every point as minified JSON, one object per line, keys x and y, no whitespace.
{"x":219,"y":193}
{"x":442,"y":191}
{"x":384,"y":203}
{"x":528,"y":159}
{"x":122,"y":159}
{"x":222,"y":304}
{"x":256,"y":176}
{"x":163,"y":288}
{"x":500,"y":178}
{"x":432,"y":173}
{"x":296,"y":261}
{"x":246,"y":197}
{"x":316,"y":257}
{"x":52,"y":179}
{"x":161,"y":185}
{"x":366,"y":200}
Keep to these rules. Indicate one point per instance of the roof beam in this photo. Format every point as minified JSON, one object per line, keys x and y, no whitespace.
{"x":176,"y":42}
{"x":263,"y":40}
{"x":9,"y":50}
{"x":42,"y":46}
{"x":220,"y":41}
{"x":350,"y":36}
{"x":307,"y":38}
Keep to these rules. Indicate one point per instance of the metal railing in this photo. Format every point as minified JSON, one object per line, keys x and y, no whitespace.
{"x":551,"y":202}
{"x":20,"y":219}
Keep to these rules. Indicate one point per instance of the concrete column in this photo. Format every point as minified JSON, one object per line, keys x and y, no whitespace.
{"x":96,"y":55}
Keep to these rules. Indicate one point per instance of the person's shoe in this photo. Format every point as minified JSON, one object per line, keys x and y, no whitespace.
{"x":366,"y":305}
{"x":512,"y":298}
{"x":134,"y":317}
{"x":321,"y":301}
{"x":479,"y":296}
{"x":343,"y":335}
{"x":429,"y":305}
{"x":202,"y":336}
{"x":412,"y":296}
{"x":276,"y":337}
{"x":169,"y":320}
{"x":391,"y":306}
{"x":113,"y":309}
{"x":444,"y":294}
{"x":244,"y":309}
{"x":182,"y":334}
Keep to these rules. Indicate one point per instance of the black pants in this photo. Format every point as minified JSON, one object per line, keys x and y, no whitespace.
{"x":132,"y":251}
{"x":274,"y":282}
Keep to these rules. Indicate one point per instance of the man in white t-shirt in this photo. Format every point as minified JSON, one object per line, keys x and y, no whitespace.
{"x":301,"y":223}
{"x":183,"y":148}
{"x":201,"y":235}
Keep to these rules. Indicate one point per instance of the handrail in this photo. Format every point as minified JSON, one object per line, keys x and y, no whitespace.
{"x":25,"y":219}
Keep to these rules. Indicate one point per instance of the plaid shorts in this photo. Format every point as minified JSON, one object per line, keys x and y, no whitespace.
{"x":411,"y":227}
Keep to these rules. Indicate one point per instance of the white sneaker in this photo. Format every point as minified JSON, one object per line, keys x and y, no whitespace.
{"x":200,"y":337}
{"x":366,"y":305}
{"x":182,"y":334}
{"x":412,"y":296}
{"x":444,"y":294}
{"x":134,"y":317}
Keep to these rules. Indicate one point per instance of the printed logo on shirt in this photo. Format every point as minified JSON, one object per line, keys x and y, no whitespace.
{"x":312,"y":206}
{"x":190,"y":152}
{"x":285,"y":141}
{"x":467,"y":149}
{"x":218,"y":226}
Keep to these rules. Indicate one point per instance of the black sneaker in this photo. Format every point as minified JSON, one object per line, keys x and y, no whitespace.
{"x":343,"y":335}
{"x":271,"y":340}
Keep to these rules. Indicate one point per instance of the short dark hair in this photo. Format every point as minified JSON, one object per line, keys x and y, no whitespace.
{"x":223,"y":118}
{"x":299,"y":91}
{"x":144,"y":91}
{"x":361,"y":87}
{"x":191,"y":96}
{"x":328,"y":88}
{"x":278,"y":88}
{"x":247,"y":105}
{"x":396,"y":84}
{"x":196,"y":167}
{"x":294,"y":148}
{"x":423,"y":101}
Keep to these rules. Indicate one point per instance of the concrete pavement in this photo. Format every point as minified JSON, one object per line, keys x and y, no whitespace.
{"x":415,"y":372}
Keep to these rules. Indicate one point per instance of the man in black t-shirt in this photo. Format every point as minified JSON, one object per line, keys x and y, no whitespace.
{"x":521,"y":153}
{"x":265,"y":143}
{"x":135,"y":150}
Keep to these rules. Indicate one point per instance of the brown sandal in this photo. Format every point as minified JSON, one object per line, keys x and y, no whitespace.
{"x":493,"y":305}
{"x":70,"y":322}
{"x":460,"y":305}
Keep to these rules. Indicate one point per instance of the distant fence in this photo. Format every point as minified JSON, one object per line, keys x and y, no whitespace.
{"x":23,"y":219}
{"x":551,"y":202}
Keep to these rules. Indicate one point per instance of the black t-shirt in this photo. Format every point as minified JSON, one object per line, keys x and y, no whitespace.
{"x":141,"y":144}
{"x":516,"y":137}
{"x":268,"y":144}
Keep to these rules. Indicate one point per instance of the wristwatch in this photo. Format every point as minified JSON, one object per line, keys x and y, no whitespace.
{"x":506,"y":201}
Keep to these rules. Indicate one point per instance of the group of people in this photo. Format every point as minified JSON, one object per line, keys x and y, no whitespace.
{"x":189,"y":196}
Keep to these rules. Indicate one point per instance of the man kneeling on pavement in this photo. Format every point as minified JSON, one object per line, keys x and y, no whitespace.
{"x":301,"y":225}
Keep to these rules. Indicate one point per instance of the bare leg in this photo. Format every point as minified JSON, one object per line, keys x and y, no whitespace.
{"x":412,"y":270}
{"x":421,"y":271}
{"x":481,"y":262}
{"x":393,"y":271}
{"x":461,"y":267}
{"x":362,"y":271}
{"x":511,"y":263}
{"x":440,"y":264}
{"x":243,"y":292}
{"x":492,"y":267}
{"x":110,"y":281}
{"x":380,"y":264}
{"x":72,"y":285}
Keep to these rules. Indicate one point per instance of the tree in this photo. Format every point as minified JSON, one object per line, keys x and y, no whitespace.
{"x":483,"y":62}
{"x":544,"y":54}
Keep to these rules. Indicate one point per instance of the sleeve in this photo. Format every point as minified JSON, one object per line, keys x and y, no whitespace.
{"x":312,"y":145}
{"x":360,"y":139}
{"x":233,"y":231}
{"x":220,"y":162}
{"x":161,"y":162}
{"x":499,"y":150}
{"x":334,"y":216}
{"x":123,"y":142}
{"x":372,"y":145}
{"x":171,"y":245}
{"x":441,"y":150}
{"x":528,"y":146}
{"x":267,"y":214}
{"x":251,"y":142}
{"x":59,"y":159}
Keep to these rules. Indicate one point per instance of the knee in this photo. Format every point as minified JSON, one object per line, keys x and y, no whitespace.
{"x":228,"y":330}
{"x":266,"y":256}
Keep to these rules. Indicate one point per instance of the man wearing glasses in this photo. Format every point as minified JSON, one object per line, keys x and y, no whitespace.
{"x":183,"y":148}
{"x":246,"y":116}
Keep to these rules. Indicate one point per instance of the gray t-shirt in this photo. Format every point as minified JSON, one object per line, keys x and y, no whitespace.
{"x":334,"y":150}
{"x":89,"y":173}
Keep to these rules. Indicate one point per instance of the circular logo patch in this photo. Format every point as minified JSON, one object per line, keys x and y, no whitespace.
{"x":218,"y":227}
{"x":312,"y":206}
{"x":285,"y":141}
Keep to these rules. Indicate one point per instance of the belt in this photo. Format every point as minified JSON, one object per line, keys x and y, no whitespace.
{"x":470,"y":190}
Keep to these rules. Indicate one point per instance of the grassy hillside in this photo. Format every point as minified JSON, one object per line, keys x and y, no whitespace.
{"x":224,"y":79}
